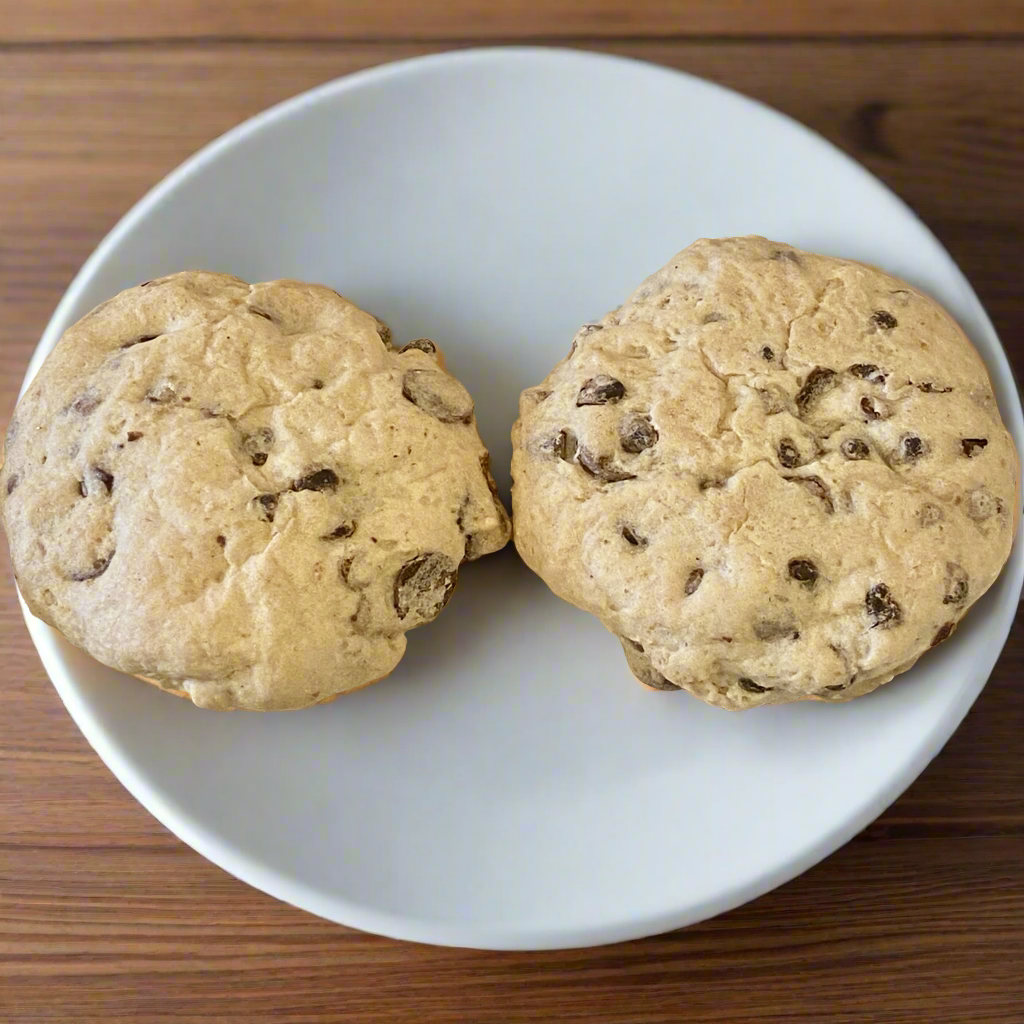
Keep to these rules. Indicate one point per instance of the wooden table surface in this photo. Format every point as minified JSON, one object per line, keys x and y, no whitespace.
{"x":104,"y":916}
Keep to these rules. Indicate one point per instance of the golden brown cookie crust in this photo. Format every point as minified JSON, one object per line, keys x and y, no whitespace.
{"x":773,"y":475}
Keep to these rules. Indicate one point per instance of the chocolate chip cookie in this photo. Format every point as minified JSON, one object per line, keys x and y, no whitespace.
{"x":244,"y":492}
{"x":773,"y":475}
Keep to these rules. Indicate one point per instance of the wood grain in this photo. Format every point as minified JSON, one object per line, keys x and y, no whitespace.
{"x":105,"y":20}
{"x":105,"y":917}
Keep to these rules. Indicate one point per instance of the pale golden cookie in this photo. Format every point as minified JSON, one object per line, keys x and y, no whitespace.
{"x":243,"y":492}
{"x":773,"y":475}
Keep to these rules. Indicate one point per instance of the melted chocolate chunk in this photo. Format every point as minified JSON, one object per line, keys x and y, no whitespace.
{"x":882,"y":607}
{"x":423,"y":586}
{"x":317,"y":480}
{"x":819,"y":380}
{"x":693,"y":581}
{"x":637,"y":434}
{"x":868,"y":372}
{"x":600,"y":390}
{"x":789,"y":454}
{"x":803,"y":571}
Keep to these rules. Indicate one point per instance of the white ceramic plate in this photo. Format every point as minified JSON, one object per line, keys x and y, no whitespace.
{"x":510,"y":786}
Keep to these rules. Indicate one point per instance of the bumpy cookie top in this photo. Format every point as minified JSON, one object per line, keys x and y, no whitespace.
{"x":243,"y":491}
{"x":774,"y":475}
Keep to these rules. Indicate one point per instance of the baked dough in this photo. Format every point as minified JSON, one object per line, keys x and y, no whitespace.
{"x":773,"y":475}
{"x":243,"y":492}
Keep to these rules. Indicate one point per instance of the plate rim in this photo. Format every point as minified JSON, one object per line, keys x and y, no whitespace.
{"x":344,"y":911}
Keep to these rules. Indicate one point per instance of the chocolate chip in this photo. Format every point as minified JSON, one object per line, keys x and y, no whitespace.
{"x":871,"y":410}
{"x":868,"y":372}
{"x":344,"y":568}
{"x":260,"y":313}
{"x":633,"y":538}
{"x":562,"y":445}
{"x":751,"y":687}
{"x":222,"y":540}
{"x":259,"y":459}
{"x":105,"y":478}
{"x":423,"y":586}
{"x":637,"y":434}
{"x":819,"y":380}
{"x":341,"y":531}
{"x":817,"y":487}
{"x":775,"y":629}
{"x":318,"y":384}
{"x":134,"y":435}
{"x":785,"y":254}
{"x":693,"y":581}
{"x":944,"y":633}
{"x":911,"y":448}
{"x":767,"y":354}
{"x":928,"y":514}
{"x":81,"y":488}
{"x":970,"y":445}
{"x":268,"y":505}
{"x":882,"y":607}
{"x":384,"y":333}
{"x":641,"y":666}
{"x":438,"y":395}
{"x":317,"y":480}
{"x":855,"y":449}
{"x":883,"y":319}
{"x":12,"y":482}
{"x":803,"y":571}
{"x":140,"y":340}
{"x":422,"y":345}
{"x":601,"y":466}
{"x":982,"y":504}
{"x":85,"y":403}
{"x":789,"y":454}
{"x":712,"y":318}
{"x":957,"y":584}
{"x":600,"y":390}
{"x":932,"y":389}
{"x":98,"y":568}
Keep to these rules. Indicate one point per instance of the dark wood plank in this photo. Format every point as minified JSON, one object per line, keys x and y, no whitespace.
{"x":104,"y":916}
{"x":890,"y":932}
{"x":64,"y":20}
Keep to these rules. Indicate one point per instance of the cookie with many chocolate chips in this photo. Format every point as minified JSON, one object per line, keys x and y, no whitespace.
{"x":244,"y":493}
{"x":773,"y":475}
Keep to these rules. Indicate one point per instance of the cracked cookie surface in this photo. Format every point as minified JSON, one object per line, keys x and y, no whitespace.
{"x":243,"y":492}
{"x":773,"y":475}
